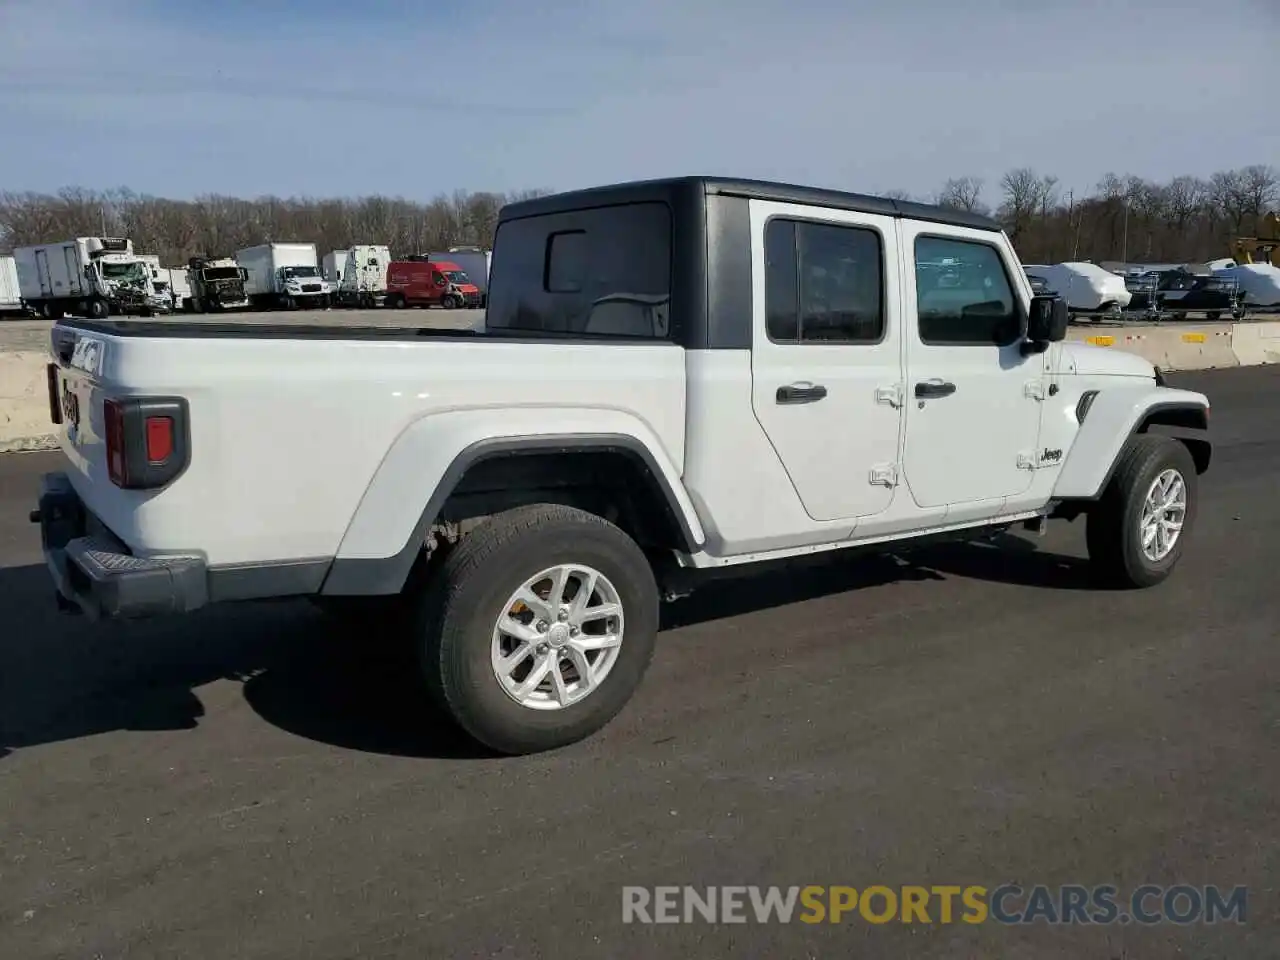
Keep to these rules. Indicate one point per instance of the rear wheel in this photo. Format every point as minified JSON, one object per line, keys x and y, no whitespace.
{"x":538,"y":628}
{"x":1137,"y":531}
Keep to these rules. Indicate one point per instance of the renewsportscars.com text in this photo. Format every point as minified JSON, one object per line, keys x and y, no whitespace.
{"x":1007,"y":904}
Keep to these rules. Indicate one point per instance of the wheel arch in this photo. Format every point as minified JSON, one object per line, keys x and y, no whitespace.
{"x":1108,"y":418}
{"x":496,"y":471}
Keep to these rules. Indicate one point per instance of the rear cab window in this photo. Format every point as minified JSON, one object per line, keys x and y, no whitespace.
{"x":603,"y":271}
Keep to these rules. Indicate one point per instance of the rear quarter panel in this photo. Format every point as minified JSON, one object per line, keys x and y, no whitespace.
{"x":287,"y":435}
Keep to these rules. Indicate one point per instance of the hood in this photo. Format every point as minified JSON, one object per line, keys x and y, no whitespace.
{"x":1089,"y":361}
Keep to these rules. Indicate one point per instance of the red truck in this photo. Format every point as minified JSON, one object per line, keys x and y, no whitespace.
{"x":426,"y":283}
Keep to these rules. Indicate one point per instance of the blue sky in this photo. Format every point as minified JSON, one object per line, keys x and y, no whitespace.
{"x":329,"y":98}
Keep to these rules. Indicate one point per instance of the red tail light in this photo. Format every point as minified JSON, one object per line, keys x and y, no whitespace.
{"x":159,"y":439}
{"x":147,"y":440}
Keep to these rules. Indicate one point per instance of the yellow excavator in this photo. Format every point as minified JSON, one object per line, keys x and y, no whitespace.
{"x":1264,"y":248}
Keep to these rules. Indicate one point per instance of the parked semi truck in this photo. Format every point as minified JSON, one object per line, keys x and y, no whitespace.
{"x":10,"y":295}
{"x":364,"y":276}
{"x":159,"y":294}
{"x":88,"y":276}
{"x":284,"y":275}
{"x":215,"y":283}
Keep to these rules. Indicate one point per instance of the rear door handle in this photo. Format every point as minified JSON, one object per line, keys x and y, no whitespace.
{"x":801,"y":393}
{"x":932,"y":389}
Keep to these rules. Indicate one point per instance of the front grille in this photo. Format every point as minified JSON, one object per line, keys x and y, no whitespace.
{"x":311,"y":288}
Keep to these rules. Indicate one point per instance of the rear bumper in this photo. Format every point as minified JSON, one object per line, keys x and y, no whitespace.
{"x":95,"y":574}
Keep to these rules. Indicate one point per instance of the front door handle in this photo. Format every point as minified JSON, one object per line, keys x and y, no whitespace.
{"x":932,"y":389}
{"x":801,"y":393}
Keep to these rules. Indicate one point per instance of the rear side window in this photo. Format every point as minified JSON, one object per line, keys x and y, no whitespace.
{"x":604,"y":272}
{"x":963,"y":294}
{"x":824,"y":283}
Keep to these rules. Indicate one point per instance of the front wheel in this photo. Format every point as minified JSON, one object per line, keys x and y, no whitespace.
{"x":1138,"y":529}
{"x":538,"y":628}
{"x":451,"y":302}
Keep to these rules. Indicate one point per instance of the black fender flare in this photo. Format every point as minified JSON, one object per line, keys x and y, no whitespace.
{"x":387,"y":575}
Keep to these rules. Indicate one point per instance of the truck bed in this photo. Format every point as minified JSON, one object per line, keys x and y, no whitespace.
{"x":289,"y":424}
{"x":255,"y":330}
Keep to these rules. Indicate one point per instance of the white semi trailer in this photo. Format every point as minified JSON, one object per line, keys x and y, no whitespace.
{"x":364,"y":276}
{"x":10,"y":294}
{"x":284,"y":275}
{"x":88,"y":277}
{"x":333,"y":265}
{"x":180,"y":286}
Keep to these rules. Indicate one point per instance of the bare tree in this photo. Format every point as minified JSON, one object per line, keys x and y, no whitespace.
{"x":963,"y":193}
{"x":1185,"y":219}
{"x":1026,"y":194}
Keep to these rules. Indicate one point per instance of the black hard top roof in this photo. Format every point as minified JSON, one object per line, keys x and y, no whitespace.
{"x":751,"y":189}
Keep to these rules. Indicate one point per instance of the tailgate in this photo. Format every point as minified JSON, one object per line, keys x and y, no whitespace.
{"x":119,"y":447}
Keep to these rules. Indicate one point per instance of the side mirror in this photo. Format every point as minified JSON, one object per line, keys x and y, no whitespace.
{"x":88,"y":271}
{"x":244,"y":274}
{"x":1047,"y":319}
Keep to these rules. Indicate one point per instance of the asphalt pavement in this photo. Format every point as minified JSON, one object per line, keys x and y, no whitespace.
{"x":251,"y":782}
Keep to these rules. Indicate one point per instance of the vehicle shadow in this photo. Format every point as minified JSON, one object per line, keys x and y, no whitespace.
{"x":1003,"y":558}
{"x":65,"y":678}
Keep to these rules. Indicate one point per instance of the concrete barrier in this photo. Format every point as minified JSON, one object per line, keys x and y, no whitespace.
{"x":24,"y":402}
{"x":1199,"y":347}
{"x":1256,"y":343}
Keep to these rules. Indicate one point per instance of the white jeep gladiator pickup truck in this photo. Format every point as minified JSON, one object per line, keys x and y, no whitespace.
{"x":674,"y":376}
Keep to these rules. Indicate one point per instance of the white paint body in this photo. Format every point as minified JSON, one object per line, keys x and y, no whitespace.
{"x":10,"y":294}
{"x":315,"y":449}
{"x":1085,"y":286}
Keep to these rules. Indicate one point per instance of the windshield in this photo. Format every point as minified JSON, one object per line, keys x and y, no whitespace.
{"x":301,"y":272}
{"x":457,"y":276}
{"x":128,"y":272}
{"x":221,"y":273}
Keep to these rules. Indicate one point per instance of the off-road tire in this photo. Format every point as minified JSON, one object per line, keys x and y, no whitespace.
{"x":465,"y":595}
{"x":1113,"y":531}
